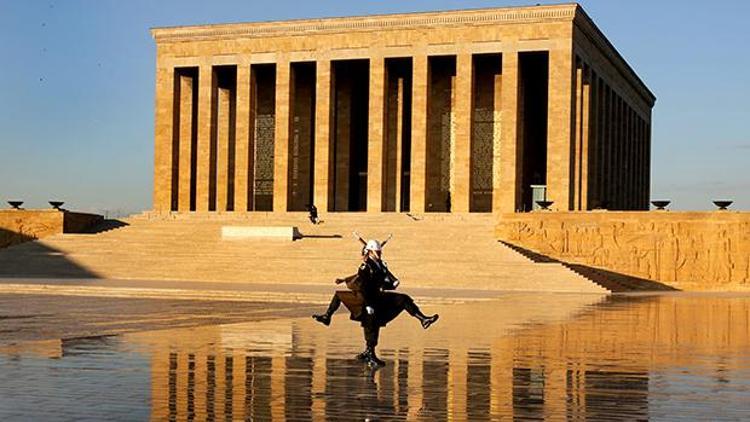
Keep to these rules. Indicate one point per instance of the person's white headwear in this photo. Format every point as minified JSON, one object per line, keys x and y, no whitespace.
{"x":373,"y":245}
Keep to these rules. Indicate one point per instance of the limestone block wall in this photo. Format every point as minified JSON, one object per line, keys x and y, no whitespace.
{"x":18,"y":226}
{"x":687,"y":250}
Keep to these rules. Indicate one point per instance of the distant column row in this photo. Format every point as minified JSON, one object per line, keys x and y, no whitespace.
{"x":611,"y":147}
{"x":454,"y":133}
{"x":381,"y":134}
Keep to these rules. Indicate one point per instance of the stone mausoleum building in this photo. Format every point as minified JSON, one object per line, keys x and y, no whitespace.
{"x":483,"y":110}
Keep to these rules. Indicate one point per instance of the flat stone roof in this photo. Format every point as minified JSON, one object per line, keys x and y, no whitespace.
{"x":499,"y":15}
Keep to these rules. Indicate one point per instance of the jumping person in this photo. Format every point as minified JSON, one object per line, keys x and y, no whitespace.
{"x":371,"y":303}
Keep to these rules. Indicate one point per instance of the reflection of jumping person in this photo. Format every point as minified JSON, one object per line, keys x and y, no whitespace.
{"x":370,"y":303}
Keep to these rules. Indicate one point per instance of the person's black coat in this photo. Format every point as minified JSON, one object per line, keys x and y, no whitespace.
{"x":374,"y":277}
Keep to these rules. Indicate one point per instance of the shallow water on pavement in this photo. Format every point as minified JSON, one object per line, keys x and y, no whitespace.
{"x":523,"y":356}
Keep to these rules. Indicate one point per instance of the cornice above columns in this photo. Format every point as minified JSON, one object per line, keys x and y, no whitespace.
{"x":509,"y":15}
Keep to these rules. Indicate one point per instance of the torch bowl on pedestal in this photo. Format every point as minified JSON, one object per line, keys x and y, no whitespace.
{"x":56,"y":204}
{"x":545,"y":204}
{"x":661,"y":204}
{"x":15,"y":204}
{"x":723,"y":204}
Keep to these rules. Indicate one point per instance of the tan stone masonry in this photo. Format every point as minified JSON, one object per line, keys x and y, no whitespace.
{"x":585,"y":137}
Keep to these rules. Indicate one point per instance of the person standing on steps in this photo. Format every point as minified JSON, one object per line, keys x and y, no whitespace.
{"x":313,"y":214}
{"x":371,"y":301}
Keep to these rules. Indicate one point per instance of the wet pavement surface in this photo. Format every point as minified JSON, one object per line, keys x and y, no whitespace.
{"x":522,"y":356}
{"x":26,"y":317}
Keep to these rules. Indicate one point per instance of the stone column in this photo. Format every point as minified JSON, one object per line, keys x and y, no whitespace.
{"x":461,"y":176}
{"x":281,"y":141}
{"x":506,"y":160}
{"x":647,"y":182}
{"x":186,"y":140}
{"x":559,"y":175}
{"x":636,"y":145}
{"x":419,"y":134}
{"x":242,"y":140}
{"x":375,"y":135}
{"x":623,"y":155}
{"x":610,"y":163}
{"x":222,"y":147}
{"x":602,"y":143}
{"x":322,"y":133}
{"x":629,"y":153}
{"x":614,"y":184}
{"x":638,"y":162}
{"x":399,"y":141}
{"x":585,"y":139}
{"x":618,"y":154}
{"x":205,"y":84}
{"x":163,"y":138}
{"x":592,"y":154}
{"x":577,"y":138}
{"x":643,"y":197}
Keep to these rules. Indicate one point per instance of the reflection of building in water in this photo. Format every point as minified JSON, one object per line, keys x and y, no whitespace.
{"x":237,"y":386}
{"x":600,"y":362}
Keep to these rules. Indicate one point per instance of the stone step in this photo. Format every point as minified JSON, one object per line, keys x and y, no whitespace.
{"x":437,"y":251}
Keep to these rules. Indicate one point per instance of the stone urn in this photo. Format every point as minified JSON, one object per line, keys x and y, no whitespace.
{"x":661,"y":205}
{"x":722,"y":205}
{"x":56,"y":204}
{"x":545,"y":204}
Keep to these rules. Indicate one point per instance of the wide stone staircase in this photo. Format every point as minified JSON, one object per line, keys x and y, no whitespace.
{"x":434,"y":250}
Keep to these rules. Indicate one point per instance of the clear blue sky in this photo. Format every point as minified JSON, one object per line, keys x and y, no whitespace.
{"x":77,"y":83}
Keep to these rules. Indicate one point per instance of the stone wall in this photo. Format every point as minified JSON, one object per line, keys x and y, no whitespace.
{"x":687,"y":250}
{"x":18,"y":226}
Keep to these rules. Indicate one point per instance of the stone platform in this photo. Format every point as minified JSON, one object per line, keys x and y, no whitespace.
{"x":447,"y":251}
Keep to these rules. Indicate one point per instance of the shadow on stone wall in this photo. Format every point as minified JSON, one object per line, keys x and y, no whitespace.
{"x":9,"y":238}
{"x":105,"y":226}
{"x":610,"y":280}
{"x":21,"y":257}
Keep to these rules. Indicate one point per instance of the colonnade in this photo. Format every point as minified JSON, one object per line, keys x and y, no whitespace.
{"x":612,"y":146}
{"x":453,"y":133}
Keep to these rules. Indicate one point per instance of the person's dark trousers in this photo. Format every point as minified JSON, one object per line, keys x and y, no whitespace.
{"x":372,"y":332}
{"x":325,"y":318}
{"x":334,"y":305}
{"x":409,"y":306}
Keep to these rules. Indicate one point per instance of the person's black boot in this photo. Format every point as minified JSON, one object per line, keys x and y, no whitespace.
{"x":324,"y":319}
{"x":414,"y":311}
{"x":427,"y":321}
{"x":372,"y":359}
{"x":362,"y":356}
